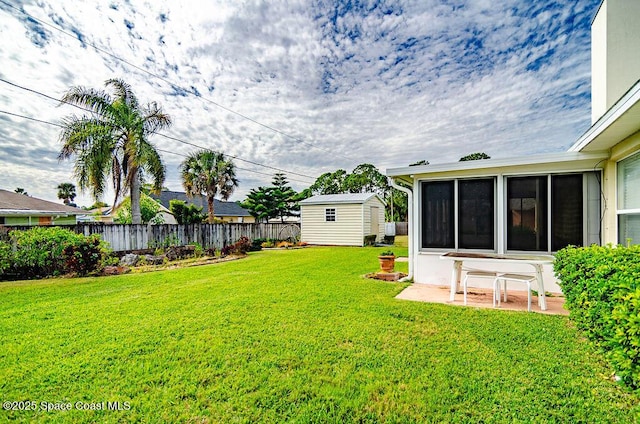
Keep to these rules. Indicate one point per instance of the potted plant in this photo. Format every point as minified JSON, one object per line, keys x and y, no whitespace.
{"x":387,"y":261}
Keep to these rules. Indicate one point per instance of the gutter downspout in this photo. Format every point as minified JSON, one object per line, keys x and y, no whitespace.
{"x":409,"y":193}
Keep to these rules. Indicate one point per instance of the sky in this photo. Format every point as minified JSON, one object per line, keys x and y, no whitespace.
{"x":302,"y":87}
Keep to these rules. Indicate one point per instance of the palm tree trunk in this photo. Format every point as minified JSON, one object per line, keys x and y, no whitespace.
{"x":136,"y":215}
{"x":210,"y":206}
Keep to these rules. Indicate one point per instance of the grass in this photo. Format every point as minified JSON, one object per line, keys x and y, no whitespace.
{"x":296,"y":336}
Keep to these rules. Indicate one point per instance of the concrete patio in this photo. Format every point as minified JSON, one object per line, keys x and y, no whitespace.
{"x":482,"y":298}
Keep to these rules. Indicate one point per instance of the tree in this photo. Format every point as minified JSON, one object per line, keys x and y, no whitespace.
{"x":260,"y":203}
{"x":186,"y":214}
{"x":366,"y":178}
{"x":284,"y":197}
{"x":329,"y":183}
{"x":475,"y":156}
{"x":149,"y":209}
{"x":420,"y":162}
{"x":397,"y":209}
{"x":113,"y":141}
{"x":148,"y":188}
{"x":20,"y":190}
{"x":96,"y":205}
{"x":66,"y":193}
{"x":207,"y":172}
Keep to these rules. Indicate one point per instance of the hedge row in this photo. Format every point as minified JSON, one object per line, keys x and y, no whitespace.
{"x":49,"y":251}
{"x":602,"y":291}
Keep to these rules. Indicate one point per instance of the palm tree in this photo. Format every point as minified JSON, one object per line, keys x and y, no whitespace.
{"x":113,"y":141}
{"x":66,"y":192}
{"x":207,"y":172}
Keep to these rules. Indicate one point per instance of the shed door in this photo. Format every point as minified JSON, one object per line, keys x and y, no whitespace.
{"x":375,"y":220}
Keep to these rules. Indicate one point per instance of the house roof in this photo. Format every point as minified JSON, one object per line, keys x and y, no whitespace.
{"x":220,"y":208}
{"x":569,"y":161}
{"x":618,"y":123}
{"x":18,"y":204}
{"x":326,"y":199}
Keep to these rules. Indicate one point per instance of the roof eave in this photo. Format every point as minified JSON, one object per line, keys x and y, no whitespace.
{"x":352,"y":201}
{"x":618,"y":123}
{"x":496,"y":163}
{"x":22,"y":212}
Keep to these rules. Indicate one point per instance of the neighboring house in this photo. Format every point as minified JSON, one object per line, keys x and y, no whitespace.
{"x":18,"y":209}
{"x":341,"y":219}
{"x":166,"y":217}
{"x":542,"y":203}
{"x":224,"y":211}
{"x":102,"y":214}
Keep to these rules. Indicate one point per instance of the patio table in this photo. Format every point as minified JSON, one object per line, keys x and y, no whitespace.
{"x":536,"y":261}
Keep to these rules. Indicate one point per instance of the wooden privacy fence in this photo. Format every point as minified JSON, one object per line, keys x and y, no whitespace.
{"x":122,"y":237}
{"x":402,"y":228}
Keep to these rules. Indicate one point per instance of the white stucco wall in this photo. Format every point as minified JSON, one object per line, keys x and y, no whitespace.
{"x":430,"y":269}
{"x":615,"y":63}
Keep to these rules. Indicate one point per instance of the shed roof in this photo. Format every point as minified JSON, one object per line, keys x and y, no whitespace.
{"x":220,"y":208}
{"x":329,"y":199}
{"x":18,"y":204}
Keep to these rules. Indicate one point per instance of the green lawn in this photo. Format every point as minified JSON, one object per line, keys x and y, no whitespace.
{"x":295,"y":336}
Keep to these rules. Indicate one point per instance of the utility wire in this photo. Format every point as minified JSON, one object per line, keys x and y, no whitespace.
{"x":175,"y":86}
{"x":237,"y":167}
{"x":160,"y":134}
{"x":160,"y":150}
{"x":30,"y":118}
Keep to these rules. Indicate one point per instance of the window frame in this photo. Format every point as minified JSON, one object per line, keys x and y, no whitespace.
{"x":621,"y":211}
{"x":500,"y":205}
{"x":327,"y":214}
{"x":456,"y":213}
{"x":585,"y":207}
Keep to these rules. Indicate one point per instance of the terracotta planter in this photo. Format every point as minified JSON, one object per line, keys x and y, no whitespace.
{"x":387,"y":263}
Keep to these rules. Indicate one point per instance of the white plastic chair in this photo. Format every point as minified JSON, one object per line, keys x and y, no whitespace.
{"x":517,"y":278}
{"x":478,"y":274}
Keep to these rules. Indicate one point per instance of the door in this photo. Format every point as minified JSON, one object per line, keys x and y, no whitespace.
{"x":375,"y":221}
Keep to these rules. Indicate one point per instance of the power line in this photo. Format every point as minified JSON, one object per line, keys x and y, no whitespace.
{"x":176,"y":86}
{"x":237,"y":167}
{"x":162,"y":135}
{"x":30,"y":118}
{"x":160,"y":150}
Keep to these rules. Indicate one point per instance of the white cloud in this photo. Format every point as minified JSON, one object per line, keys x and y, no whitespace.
{"x":387,"y":85}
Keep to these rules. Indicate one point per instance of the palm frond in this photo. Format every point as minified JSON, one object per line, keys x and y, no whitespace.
{"x":123,"y":91}
{"x":98,"y":101}
{"x":153,"y":166}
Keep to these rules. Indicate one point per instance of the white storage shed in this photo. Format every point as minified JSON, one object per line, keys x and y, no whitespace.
{"x":341,"y":219}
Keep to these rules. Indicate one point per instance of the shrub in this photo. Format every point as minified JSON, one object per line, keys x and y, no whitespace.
{"x":240,"y":247}
{"x":149,"y":211}
{"x":186,"y":214}
{"x":84,"y":255}
{"x":602,"y":290}
{"x":6,"y":258}
{"x":268,"y":244}
{"x":39,"y":250}
{"x":46,"y":251}
{"x":256,"y":244}
{"x":370,"y":240}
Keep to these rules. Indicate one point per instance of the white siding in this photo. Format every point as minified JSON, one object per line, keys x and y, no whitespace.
{"x":352,"y":224}
{"x":373,"y":202}
{"x":346,"y":230}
